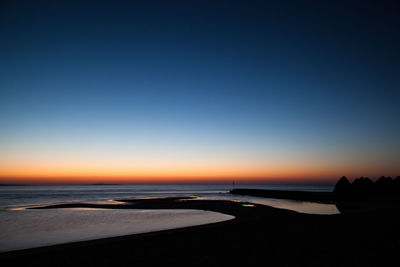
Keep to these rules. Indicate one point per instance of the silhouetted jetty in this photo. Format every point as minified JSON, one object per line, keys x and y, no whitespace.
{"x":357,"y":197}
{"x":363,"y":188}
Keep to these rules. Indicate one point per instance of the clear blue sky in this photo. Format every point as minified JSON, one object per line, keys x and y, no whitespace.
{"x":310,"y":88}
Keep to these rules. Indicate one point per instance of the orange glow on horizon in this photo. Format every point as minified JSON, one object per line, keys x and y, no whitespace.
{"x":164,"y":173}
{"x":155,"y":180}
{"x":220,"y":175}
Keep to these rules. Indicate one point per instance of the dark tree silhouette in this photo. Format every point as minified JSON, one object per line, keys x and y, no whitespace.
{"x":363,"y":185}
{"x":343,"y":186}
{"x":385,"y":185}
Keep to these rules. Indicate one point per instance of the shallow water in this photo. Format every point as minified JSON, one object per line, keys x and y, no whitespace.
{"x":295,"y":205}
{"x":34,"y":228}
{"x":23,"y":228}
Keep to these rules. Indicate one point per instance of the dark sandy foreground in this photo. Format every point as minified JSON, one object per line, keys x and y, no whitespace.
{"x":258,"y":236}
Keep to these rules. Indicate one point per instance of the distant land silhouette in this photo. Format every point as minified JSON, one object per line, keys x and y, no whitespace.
{"x":360,"y":195}
{"x":364,"y":186}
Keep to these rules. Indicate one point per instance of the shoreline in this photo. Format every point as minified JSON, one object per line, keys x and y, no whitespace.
{"x":345,"y":203}
{"x":257,"y":234}
{"x":319,"y":197}
{"x":238,"y":210}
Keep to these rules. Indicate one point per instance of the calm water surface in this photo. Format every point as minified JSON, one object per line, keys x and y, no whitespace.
{"x":33,"y":228}
{"x":21,"y":228}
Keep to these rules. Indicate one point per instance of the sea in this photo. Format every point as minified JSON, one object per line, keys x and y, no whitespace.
{"x":22,"y":228}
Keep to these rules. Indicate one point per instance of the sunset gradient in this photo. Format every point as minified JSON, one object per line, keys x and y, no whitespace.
{"x":177,"y":93}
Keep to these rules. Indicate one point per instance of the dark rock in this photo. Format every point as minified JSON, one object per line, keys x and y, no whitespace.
{"x":385,"y":185}
{"x":343,"y":186}
{"x":397,"y":184}
{"x":362,"y":185}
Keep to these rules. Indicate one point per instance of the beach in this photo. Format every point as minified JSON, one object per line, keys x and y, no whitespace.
{"x":199,"y":133}
{"x":258,"y":235}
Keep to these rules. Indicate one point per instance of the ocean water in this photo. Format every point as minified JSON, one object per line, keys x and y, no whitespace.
{"x":23,"y":228}
{"x":18,"y":196}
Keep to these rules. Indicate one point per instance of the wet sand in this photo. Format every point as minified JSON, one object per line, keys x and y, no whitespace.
{"x":259,"y":235}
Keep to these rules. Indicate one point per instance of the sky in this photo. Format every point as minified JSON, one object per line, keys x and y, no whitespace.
{"x":198,"y":91}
